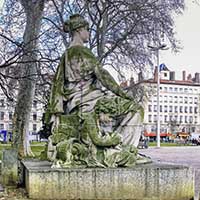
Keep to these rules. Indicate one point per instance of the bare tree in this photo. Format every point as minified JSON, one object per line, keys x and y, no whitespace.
{"x":120,"y":33}
{"x":33,"y":10}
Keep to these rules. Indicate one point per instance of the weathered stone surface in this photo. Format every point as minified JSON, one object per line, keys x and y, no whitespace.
{"x":90,"y":120}
{"x":9,"y":167}
{"x":152,"y":181}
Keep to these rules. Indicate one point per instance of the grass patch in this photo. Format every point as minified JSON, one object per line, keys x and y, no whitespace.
{"x":36,"y":147}
{"x":166,"y":144}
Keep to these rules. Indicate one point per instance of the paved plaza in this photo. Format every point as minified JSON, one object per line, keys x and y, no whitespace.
{"x":184,"y":155}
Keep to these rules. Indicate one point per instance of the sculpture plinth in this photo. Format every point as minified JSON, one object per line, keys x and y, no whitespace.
{"x":143,"y":182}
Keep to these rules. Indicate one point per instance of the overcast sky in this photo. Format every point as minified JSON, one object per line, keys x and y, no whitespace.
{"x":188,"y":32}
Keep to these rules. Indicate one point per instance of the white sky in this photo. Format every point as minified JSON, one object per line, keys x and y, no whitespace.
{"x":188,"y":32}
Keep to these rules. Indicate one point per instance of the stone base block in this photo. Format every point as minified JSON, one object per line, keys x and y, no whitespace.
{"x":9,"y":167}
{"x":147,"y":182}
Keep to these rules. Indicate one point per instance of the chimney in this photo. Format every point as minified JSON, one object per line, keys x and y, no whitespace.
{"x":184,"y":75}
{"x":189,"y":77}
{"x":140,"y":77}
{"x":197,"y":78}
{"x":156,"y":74}
{"x":172,"y":76}
{"x":132,"y":82}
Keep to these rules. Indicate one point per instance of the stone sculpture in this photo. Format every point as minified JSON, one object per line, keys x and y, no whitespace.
{"x":90,"y":117}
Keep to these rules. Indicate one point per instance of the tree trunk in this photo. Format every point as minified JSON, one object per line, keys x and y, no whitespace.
{"x":34,"y":11}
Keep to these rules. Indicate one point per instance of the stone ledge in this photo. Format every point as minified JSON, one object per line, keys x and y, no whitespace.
{"x":152,"y":181}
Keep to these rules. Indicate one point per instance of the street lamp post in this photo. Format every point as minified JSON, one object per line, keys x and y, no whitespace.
{"x":156,"y":49}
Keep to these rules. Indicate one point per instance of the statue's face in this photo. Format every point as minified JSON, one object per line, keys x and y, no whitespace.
{"x":84,"y":34}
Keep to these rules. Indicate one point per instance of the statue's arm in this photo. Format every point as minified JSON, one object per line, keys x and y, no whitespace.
{"x":108,"y":82}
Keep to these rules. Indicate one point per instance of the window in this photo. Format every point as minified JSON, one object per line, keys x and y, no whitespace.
{"x":181,"y":119}
{"x":165,"y":74}
{"x":191,"y":91}
{"x":195,"y":110}
{"x":165,"y":118}
{"x":195,"y":100}
{"x":161,"y":98}
{"x":190,"y":119}
{"x":180,"y":89}
{"x":150,"y":108}
{"x":1,"y":126}
{"x":153,"y":129}
{"x":175,"y":99}
{"x":1,"y":115}
{"x":195,"y":119}
{"x":34,"y":104}
{"x":34,"y":127}
{"x":160,"y":108}
{"x":165,"y":89}
{"x":181,"y":109}
{"x":185,"y":90}
{"x":190,"y":109}
{"x":170,"y":99}
{"x":175,"y":109}
{"x":10,"y":127}
{"x":170,"y":108}
{"x":171,"y":89}
{"x":161,"y":118}
{"x":193,"y":129}
{"x":186,"y":109}
{"x":165,"y":99}
{"x":180,"y":99}
{"x":165,"y":108}
{"x":175,"y":89}
{"x":10,"y":115}
{"x":190,"y":100}
{"x":34,"y":116}
{"x":155,"y":108}
{"x":150,"y":118}
{"x":185,"y":100}
{"x":155,"y":118}
{"x":155,"y":98}
{"x":186,"y":119}
{"x":2,"y":103}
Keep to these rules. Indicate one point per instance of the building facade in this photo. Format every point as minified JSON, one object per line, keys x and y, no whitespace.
{"x":179,"y":103}
{"x":7,"y":111}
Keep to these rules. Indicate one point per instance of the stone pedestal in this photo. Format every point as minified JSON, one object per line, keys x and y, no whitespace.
{"x":9,"y":167}
{"x":147,"y":182}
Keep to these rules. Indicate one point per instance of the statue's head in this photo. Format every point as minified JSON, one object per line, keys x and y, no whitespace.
{"x":75,"y":23}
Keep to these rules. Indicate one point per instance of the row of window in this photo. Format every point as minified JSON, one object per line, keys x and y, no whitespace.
{"x":3,"y":103}
{"x":165,"y":130}
{"x":176,"y":99}
{"x":175,"y":109}
{"x":10,"y":116}
{"x":176,"y":118}
{"x":181,"y":89}
{"x":10,"y":126}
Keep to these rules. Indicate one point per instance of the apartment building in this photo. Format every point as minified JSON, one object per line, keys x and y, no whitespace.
{"x":179,"y":103}
{"x":7,"y":111}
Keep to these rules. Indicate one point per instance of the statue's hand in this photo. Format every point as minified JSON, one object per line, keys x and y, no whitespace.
{"x":116,"y":139}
